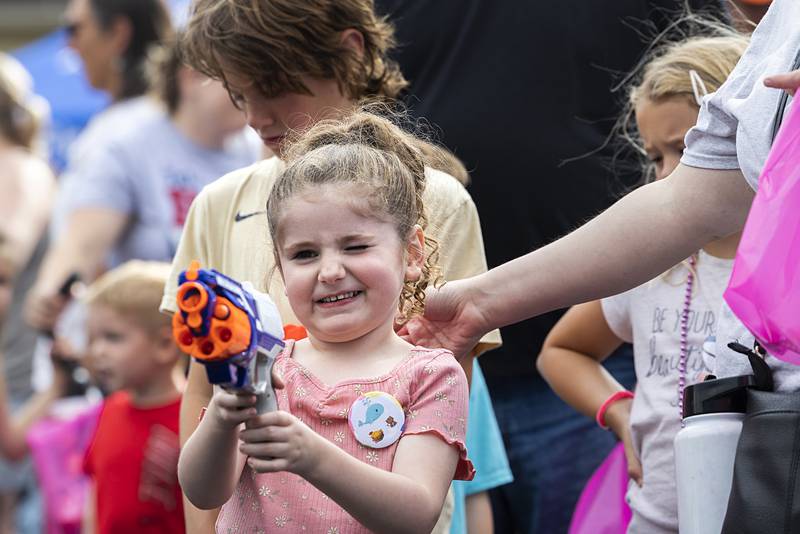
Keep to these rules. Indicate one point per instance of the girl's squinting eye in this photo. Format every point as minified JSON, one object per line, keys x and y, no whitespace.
{"x":356,"y":248}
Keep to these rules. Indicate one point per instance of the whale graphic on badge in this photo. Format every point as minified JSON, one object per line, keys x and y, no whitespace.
{"x":376,"y":419}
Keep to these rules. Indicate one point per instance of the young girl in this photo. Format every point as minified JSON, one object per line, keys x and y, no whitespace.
{"x":670,"y":320}
{"x":370,"y":430}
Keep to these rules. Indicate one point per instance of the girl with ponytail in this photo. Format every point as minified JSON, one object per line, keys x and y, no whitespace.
{"x":369,"y":428}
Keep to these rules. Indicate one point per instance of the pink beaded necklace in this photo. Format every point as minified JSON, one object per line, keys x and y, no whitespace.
{"x":687,"y":300}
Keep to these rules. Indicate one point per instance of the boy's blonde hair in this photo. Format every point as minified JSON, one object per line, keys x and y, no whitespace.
{"x":134,"y":289}
{"x":666,"y":75}
{"x":277,"y":42}
{"x":385,"y":163}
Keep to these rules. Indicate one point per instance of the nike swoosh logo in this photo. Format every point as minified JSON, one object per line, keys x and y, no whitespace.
{"x":242,"y":216}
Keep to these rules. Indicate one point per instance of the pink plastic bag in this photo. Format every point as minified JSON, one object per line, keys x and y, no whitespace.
{"x":58,"y":448}
{"x":764,"y":290}
{"x":601,"y":508}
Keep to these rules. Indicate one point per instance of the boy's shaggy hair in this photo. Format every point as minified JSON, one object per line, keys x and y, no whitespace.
{"x":277,"y":42}
{"x":133,"y":290}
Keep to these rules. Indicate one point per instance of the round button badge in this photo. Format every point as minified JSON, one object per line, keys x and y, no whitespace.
{"x":376,"y":419}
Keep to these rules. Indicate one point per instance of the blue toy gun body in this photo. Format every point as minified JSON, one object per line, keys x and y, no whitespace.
{"x":230,"y":328}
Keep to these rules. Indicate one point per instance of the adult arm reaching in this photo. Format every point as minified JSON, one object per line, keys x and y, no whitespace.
{"x":643,"y":234}
{"x":89,"y":236}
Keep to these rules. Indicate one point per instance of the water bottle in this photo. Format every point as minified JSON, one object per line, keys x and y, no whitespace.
{"x":705,"y":449}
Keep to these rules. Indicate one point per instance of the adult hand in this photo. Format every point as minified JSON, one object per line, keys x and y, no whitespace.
{"x":618,"y":419}
{"x":452,"y":320}
{"x":789,"y":82}
{"x":279,"y":441}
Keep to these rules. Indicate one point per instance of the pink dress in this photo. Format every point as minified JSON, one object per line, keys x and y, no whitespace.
{"x":432,"y":389}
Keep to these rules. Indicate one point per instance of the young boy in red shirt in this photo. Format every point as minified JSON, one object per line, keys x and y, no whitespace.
{"x":133,"y":456}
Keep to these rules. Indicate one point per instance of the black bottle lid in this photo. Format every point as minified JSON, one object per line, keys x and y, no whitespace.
{"x":717,"y":395}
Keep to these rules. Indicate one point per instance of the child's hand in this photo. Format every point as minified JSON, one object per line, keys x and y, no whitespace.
{"x":618,"y":419}
{"x":231,"y":409}
{"x":279,"y":441}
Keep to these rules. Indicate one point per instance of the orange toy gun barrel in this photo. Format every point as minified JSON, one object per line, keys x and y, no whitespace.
{"x":233,"y":330}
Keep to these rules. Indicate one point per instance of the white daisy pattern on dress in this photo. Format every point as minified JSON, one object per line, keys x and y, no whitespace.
{"x":428,"y":387}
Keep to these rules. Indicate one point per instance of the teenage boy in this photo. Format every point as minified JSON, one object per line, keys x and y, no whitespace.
{"x":287,"y":64}
{"x":133,"y":456}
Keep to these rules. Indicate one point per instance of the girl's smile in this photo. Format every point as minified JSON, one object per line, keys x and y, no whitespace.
{"x":339,"y":299}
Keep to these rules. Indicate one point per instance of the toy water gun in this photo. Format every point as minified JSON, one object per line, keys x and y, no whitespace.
{"x":230,"y":328}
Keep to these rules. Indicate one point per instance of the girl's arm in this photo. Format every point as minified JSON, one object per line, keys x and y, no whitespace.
{"x":570,"y":362}
{"x":89,"y":523}
{"x":642,"y":235}
{"x":478,"y":508}
{"x":422,"y":471}
{"x":196,"y":396}
{"x":209,"y":465}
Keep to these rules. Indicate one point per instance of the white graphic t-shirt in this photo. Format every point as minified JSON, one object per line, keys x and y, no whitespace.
{"x":649,"y":316}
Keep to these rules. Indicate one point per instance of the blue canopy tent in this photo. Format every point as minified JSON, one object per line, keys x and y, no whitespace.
{"x":58,"y":76}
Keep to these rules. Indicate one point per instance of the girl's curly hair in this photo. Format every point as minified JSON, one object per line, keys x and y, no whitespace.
{"x":385,"y":164}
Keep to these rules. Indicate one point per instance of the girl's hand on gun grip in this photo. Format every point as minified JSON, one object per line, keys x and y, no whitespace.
{"x":279,"y":441}
{"x":618,"y":418}
{"x":231,"y":409}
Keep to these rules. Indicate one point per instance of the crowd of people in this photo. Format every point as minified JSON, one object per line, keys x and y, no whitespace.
{"x":382,"y":170}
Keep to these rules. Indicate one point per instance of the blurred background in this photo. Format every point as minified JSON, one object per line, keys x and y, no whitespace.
{"x":22,"y":21}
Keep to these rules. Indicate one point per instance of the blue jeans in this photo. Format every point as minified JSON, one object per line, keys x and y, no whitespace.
{"x":552,"y":450}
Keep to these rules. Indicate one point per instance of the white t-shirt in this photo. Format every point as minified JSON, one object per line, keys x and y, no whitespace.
{"x":649,"y":316}
{"x":734,"y":131}
{"x":734,"y":127}
{"x":151,"y":174}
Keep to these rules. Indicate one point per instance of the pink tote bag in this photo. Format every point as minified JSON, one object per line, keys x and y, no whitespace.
{"x":58,"y":447}
{"x":764,"y":289}
{"x":601,"y":508}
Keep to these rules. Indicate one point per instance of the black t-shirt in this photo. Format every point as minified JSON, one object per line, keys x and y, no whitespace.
{"x":522,"y":92}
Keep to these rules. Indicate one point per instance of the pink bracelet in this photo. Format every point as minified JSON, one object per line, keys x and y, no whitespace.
{"x":601,"y":413}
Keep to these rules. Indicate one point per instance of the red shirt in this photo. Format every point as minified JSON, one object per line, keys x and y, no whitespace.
{"x":133,"y":461}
